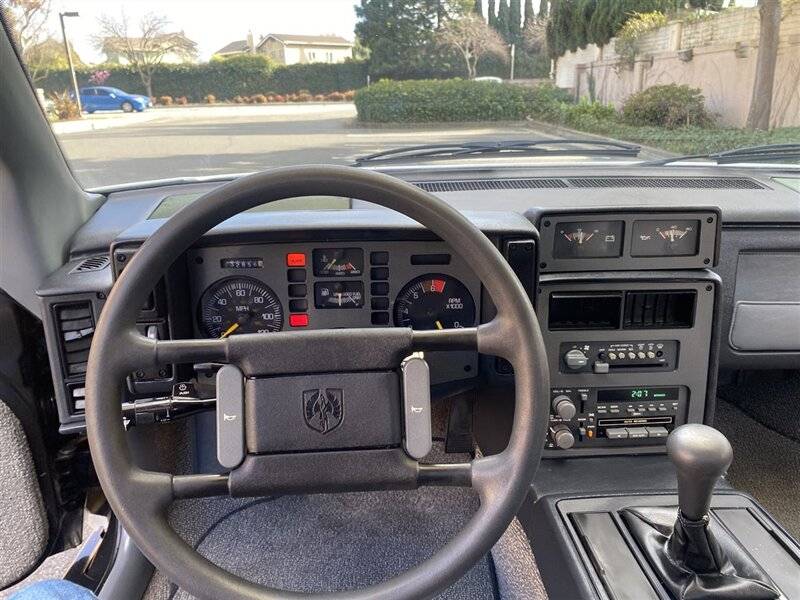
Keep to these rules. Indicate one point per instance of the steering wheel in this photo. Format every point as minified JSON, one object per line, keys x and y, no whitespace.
{"x":140,"y":498}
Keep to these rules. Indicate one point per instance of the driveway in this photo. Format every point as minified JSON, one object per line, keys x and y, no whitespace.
{"x":210,"y":140}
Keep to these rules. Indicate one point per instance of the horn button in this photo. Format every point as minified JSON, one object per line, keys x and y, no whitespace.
{"x":323,"y":412}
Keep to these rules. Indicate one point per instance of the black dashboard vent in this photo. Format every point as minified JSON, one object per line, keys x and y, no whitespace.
{"x":473,"y":185}
{"x":75,"y":327}
{"x":705,"y":183}
{"x":94,"y":263}
{"x":659,"y":310}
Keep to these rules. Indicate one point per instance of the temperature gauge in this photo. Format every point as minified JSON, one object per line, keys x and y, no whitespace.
{"x":339,"y":294}
{"x":588,"y":239}
{"x":338,"y":262}
{"x":665,"y":238}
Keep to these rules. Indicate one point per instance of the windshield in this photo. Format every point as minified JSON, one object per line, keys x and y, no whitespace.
{"x":142,"y":90}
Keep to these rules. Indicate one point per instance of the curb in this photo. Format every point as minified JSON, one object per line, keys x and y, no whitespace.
{"x":567,"y":131}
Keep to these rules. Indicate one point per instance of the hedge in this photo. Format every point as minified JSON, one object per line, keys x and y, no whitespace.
{"x":224,"y":79}
{"x":452,"y":100}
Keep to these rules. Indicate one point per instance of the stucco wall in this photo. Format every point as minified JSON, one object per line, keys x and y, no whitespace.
{"x":717,"y":55}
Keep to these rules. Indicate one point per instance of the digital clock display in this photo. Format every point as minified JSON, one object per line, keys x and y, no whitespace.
{"x":638,"y":394}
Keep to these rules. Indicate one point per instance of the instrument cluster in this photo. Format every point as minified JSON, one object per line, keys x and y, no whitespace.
{"x":278,"y":287}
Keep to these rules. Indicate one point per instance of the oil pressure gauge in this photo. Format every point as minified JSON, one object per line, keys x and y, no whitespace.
{"x":665,"y":238}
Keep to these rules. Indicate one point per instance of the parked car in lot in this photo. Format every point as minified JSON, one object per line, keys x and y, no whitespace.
{"x":109,"y":98}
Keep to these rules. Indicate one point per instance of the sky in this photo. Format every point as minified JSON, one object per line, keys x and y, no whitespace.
{"x":210,"y":23}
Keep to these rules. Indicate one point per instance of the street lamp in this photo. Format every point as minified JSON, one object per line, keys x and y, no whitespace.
{"x":61,"y":16}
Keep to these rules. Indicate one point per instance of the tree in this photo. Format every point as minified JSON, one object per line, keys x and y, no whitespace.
{"x":28,"y":24}
{"x":514,"y":21}
{"x":543,"y":9}
{"x":758,"y":116}
{"x":503,"y":19}
{"x":478,"y":8}
{"x":534,"y":36}
{"x":491,"y":14}
{"x":529,"y":14}
{"x":145,"y":52}
{"x":472,"y":38}
{"x":396,"y":33}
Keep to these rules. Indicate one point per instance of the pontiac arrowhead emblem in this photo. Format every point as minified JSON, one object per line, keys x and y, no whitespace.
{"x":323,"y":409}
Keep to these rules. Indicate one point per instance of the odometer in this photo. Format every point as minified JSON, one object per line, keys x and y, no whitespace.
{"x":239,"y":305}
{"x":434,"y":302}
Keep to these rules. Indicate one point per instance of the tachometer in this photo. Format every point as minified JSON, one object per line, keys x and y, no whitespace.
{"x":239,"y":305}
{"x":434,"y":302}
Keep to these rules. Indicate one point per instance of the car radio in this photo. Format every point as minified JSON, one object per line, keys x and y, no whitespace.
{"x":585,"y":417}
{"x":622,"y":356}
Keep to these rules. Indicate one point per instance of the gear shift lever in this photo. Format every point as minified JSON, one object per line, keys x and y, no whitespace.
{"x":701,"y":455}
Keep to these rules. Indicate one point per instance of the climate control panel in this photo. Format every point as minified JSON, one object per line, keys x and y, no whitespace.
{"x":586,"y":417}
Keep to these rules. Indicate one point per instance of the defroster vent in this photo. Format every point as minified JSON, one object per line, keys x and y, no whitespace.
{"x":659,"y":310}
{"x":75,"y":327}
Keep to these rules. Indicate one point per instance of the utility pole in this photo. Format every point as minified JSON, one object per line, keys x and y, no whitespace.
{"x":75,"y":89}
{"x":513,"y":58}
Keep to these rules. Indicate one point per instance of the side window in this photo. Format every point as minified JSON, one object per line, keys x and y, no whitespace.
{"x":102,"y":92}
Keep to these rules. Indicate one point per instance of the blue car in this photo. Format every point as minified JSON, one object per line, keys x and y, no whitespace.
{"x":109,"y":98}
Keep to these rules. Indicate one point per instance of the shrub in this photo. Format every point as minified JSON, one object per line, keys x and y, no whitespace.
{"x":335,"y":97}
{"x":586,"y":114}
{"x":259,"y":99}
{"x":224,"y":78}
{"x":279,"y":98}
{"x":304,"y":97}
{"x":446,"y":100}
{"x":64,"y":107}
{"x":546,"y":102}
{"x":667,"y":106}
{"x":165,"y":100}
{"x":319,"y":98}
{"x":270,"y":98}
{"x":211,"y":99}
{"x":182,"y":100}
{"x":238,"y":100}
{"x":350,"y":95}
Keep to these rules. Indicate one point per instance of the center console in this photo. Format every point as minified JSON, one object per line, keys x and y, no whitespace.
{"x":628,"y":310}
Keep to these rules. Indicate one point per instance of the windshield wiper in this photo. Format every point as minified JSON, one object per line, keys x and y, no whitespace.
{"x":765,"y":153}
{"x":504,"y":148}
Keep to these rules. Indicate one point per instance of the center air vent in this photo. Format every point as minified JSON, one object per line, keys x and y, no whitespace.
{"x":470,"y":185}
{"x":705,"y":183}
{"x":659,"y":310}
{"x":75,"y":327}
{"x":94,"y":263}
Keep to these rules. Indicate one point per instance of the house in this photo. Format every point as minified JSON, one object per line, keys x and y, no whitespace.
{"x":170,"y":48}
{"x":288,"y":49}
{"x":237,"y":47}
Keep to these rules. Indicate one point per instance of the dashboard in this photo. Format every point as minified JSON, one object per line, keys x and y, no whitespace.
{"x":643,"y":291}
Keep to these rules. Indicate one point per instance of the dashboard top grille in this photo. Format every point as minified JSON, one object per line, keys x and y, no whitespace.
{"x":712,"y":183}
{"x":490,"y":184}
{"x":708,"y":183}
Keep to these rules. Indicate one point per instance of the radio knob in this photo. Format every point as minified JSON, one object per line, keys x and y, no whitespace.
{"x":564,"y":407}
{"x":563,"y":437}
{"x":576,"y":359}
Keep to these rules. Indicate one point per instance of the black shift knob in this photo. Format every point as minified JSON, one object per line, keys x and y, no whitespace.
{"x":701,"y":455}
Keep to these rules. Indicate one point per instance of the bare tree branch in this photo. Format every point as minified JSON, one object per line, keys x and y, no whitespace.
{"x":472,"y":38}
{"x":28,"y":21}
{"x":145,"y":50}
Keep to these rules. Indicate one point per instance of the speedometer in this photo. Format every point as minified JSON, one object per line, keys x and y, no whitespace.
{"x":434,"y":302}
{"x":239,"y":305}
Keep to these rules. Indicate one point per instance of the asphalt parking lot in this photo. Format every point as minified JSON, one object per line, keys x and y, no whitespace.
{"x":114,"y":148}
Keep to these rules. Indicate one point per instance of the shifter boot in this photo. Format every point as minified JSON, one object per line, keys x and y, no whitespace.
{"x":696,"y":560}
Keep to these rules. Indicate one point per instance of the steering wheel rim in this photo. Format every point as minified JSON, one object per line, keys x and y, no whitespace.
{"x":140,"y":498}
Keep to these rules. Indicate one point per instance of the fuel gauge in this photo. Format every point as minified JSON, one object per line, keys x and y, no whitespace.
{"x":339,"y":294}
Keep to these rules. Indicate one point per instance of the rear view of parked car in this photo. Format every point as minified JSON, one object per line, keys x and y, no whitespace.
{"x":108,"y":98}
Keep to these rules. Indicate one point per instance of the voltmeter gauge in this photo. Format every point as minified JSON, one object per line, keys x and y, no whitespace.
{"x":239,"y":305}
{"x":434,"y":302}
{"x":588,"y":239}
